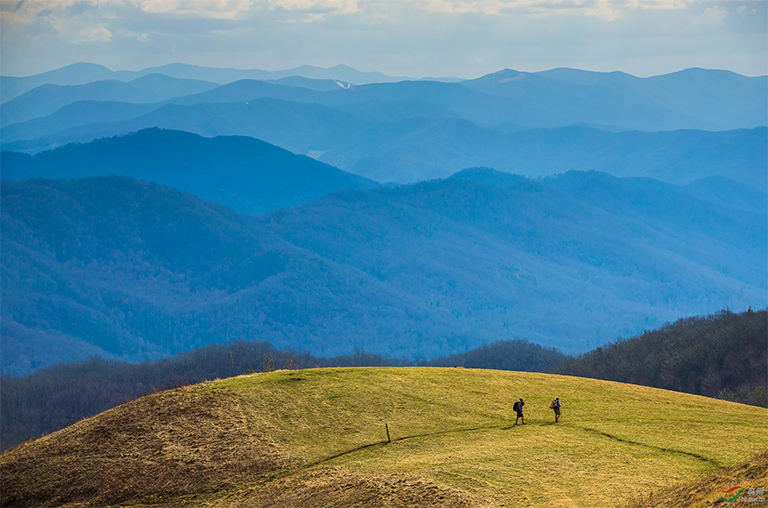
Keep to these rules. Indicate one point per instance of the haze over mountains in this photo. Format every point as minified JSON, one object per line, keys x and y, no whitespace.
{"x":419,"y":149}
{"x":82,"y":73}
{"x":201,"y":240}
{"x":245,"y":174}
{"x":407,"y":131}
{"x":721,"y":98}
{"x":137,"y":270}
{"x":48,"y":99}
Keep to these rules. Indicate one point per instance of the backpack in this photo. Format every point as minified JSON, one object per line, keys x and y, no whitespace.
{"x":516,"y":406}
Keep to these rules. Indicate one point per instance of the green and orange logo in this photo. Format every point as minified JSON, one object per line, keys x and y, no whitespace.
{"x":735,"y":497}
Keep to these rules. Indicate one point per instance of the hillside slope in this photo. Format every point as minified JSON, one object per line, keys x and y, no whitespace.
{"x":409,"y":151}
{"x":520,"y":257}
{"x":318,"y":438}
{"x":713,"y":99}
{"x":74,"y":74}
{"x":298,"y":127}
{"x":83,"y":73}
{"x":691,"y":98}
{"x":729,"y":364}
{"x":712,"y":490}
{"x":398,"y":140}
{"x":725,"y":355}
{"x":142,"y":271}
{"x":245,"y":174}
{"x":47,"y":99}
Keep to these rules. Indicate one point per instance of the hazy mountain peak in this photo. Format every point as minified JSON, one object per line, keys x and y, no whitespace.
{"x":244,"y":173}
{"x":583,"y":177}
{"x":502,"y":75}
{"x":157,"y":78}
{"x":179,"y":65}
{"x":700,"y":73}
{"x":343,"y":67}
{"x":494,"y":178}
{"x":702,"y":70}
{"x":81,"y":66}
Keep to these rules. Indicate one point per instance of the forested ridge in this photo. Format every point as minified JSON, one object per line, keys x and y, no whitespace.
{"x":132,"y":270}
{"x":55,"y":397}
{"x":724,"y":355}
{"x":250,"y":176}
{"x":530,"y":123}
{"x":721,"y":355}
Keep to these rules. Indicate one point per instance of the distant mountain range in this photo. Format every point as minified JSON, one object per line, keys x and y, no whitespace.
{"x":245,"y":174}
{"x":136,"y":270}
{"x":415,"y":150}
{"x":419,"y":149}
{"x":692,"y":98}
{"x":48,"y":99}
{"x":146,"y":213}
{"x":527,"y":123}
{"x":698,"y":98}
{"x":82,"y":73}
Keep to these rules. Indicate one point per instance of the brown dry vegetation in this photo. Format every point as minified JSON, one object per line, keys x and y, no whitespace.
{"x":192,"y":448}
{"x":705,"y":492}
{"x":177,"y":442}
{"x":315,"y":438}
{"x":339,"y":486}
{"x":332,"y":486}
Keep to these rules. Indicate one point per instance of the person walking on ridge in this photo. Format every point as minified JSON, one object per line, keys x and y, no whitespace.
{"x":518,"y":408}
{"x":556,"y":407}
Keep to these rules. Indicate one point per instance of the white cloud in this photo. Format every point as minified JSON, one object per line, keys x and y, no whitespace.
{"x":310,"y":10}
{"x":416,"y":37}
{"x":667,"y":5}
{"x":210,"y":9}
{"x":603,"y":9}
{"x":26,"y":11}
{"x":91,"y":34}
{"x":75,"y":21}
{"x":713,"y":16}
{"x":77,"y":33}
{"x":606,"y":9}
{"x":139,"y":36}
{"x":316,"y":6}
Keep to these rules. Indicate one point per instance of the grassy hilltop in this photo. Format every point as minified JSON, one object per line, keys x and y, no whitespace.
{"x":317,"y":438}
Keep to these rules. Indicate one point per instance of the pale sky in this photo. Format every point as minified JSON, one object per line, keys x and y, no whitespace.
{"x":463,"y":38}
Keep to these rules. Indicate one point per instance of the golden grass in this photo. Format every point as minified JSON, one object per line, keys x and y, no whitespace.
{"x":325,"y":486}
{"x":613,"y":441}
{"x":177,"y":442}
{"x":302,"y":432}
{"x":708,"y":491}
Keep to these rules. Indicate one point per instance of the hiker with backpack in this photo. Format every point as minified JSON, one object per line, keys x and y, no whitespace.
{"x":556,"y":407}
{"x":518,"y":408}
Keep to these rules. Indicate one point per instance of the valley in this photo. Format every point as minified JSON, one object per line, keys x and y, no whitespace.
{"x":317,"y":286}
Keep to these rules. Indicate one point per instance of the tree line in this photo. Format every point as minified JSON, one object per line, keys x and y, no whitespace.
{"x":53,"y":398}
{"x":723,"y":355}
